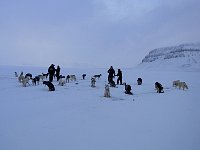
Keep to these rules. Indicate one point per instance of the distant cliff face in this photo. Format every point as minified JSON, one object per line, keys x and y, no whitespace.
{"x":185,"y":56}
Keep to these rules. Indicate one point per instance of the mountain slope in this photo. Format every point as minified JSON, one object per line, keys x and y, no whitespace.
{"x":183,"y":57}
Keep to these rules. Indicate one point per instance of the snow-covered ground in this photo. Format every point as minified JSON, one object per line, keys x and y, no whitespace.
{"x":78,"y":117}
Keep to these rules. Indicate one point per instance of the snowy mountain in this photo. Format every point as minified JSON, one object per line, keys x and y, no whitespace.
{"x":183,"y":57}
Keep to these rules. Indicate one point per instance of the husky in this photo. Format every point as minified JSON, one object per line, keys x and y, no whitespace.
{"x":97,"y":76}
{"x":72,"y":77}
{"x":139,"y":81}
{"x":182,"y":85}
{"x":159,"y":87}
{"x":175,"y":83}
{"x":45,"y":75}
{"x":61,"y":81}
{"x":41,"y":77}
{"x":128,"y":89}
{"x":25,"y":81}
{"x":35,"y":80}
{"x":93,"y":82}
{"x":28,"y":75}
{"x":84,"y":75}
{"x":67,"y":78}
{"x":50,"y":85}
{"x":107,"y":91}
{"x":21,"y":77}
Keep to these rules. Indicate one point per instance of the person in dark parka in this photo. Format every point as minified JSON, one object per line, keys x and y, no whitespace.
{"x":111,"y":74}
{"x":119,"y":79}
{"x":51,"y":72}
{"x":58,"y":73}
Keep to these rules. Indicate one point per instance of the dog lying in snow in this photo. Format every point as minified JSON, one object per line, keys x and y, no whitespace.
{"x":107,"y":91}
{"x":97,"y":76}
{"x":50,"y":85}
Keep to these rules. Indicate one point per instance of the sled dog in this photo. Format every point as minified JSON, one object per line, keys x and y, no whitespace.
{"x":50,"y":85}
{"x":61,"y":81}
{"x":93,"y":82}
{"x":72,"y":77}
{"x":159,"y":87}
{"x":25,"y":81}
{"x":182,"y":85}
{"x":175,"y":83}
{"x":107,"y":91}
{"x":97,"y":76}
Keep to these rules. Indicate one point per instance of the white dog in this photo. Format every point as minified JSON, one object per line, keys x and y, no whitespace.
{"x":25,"y":81}
{"x":107,"y":91}
{"x":182,"y":85}
{"x":93,"y":82}
{"x":72,"y":77}
{"x":175,"y":83}
{"x":61,"y":81}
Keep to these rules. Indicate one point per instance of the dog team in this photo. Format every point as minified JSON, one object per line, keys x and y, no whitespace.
{"x":55,"y":73}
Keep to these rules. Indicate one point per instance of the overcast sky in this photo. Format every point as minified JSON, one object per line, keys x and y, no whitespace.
{"x":93,"y":32}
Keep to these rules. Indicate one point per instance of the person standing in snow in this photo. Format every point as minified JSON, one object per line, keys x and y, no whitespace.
{"x":51,"y":71}
{"x":58,"y":73}
{"x":111,"y":74}
{"x":119,"y":79}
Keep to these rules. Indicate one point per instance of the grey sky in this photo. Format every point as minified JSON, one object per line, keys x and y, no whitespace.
{"x":93,"y":32}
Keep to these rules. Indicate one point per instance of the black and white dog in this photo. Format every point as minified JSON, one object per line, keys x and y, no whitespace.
{"x":139,"y":81}
{"x":97,"y":76}
{"x":50,"y":85}
{"x":84,"y":75}
{"x":35,"y":80}
{"x":159,"y":87}
{"x":128,"y":89}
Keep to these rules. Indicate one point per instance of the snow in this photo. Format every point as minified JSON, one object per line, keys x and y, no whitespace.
{"x":78,"y":117}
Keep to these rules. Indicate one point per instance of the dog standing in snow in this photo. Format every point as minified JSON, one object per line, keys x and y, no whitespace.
{"x":182,"y":85}
{"x":175,"y":83}
{"x":97,"y":76}
{"x":21,"y":77}
{"x":62,"y":81}
{"x":25,"y":81}
{"x":107,"y":91}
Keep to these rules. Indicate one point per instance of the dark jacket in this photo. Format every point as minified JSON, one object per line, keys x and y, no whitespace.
{"x":51,"y":70}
